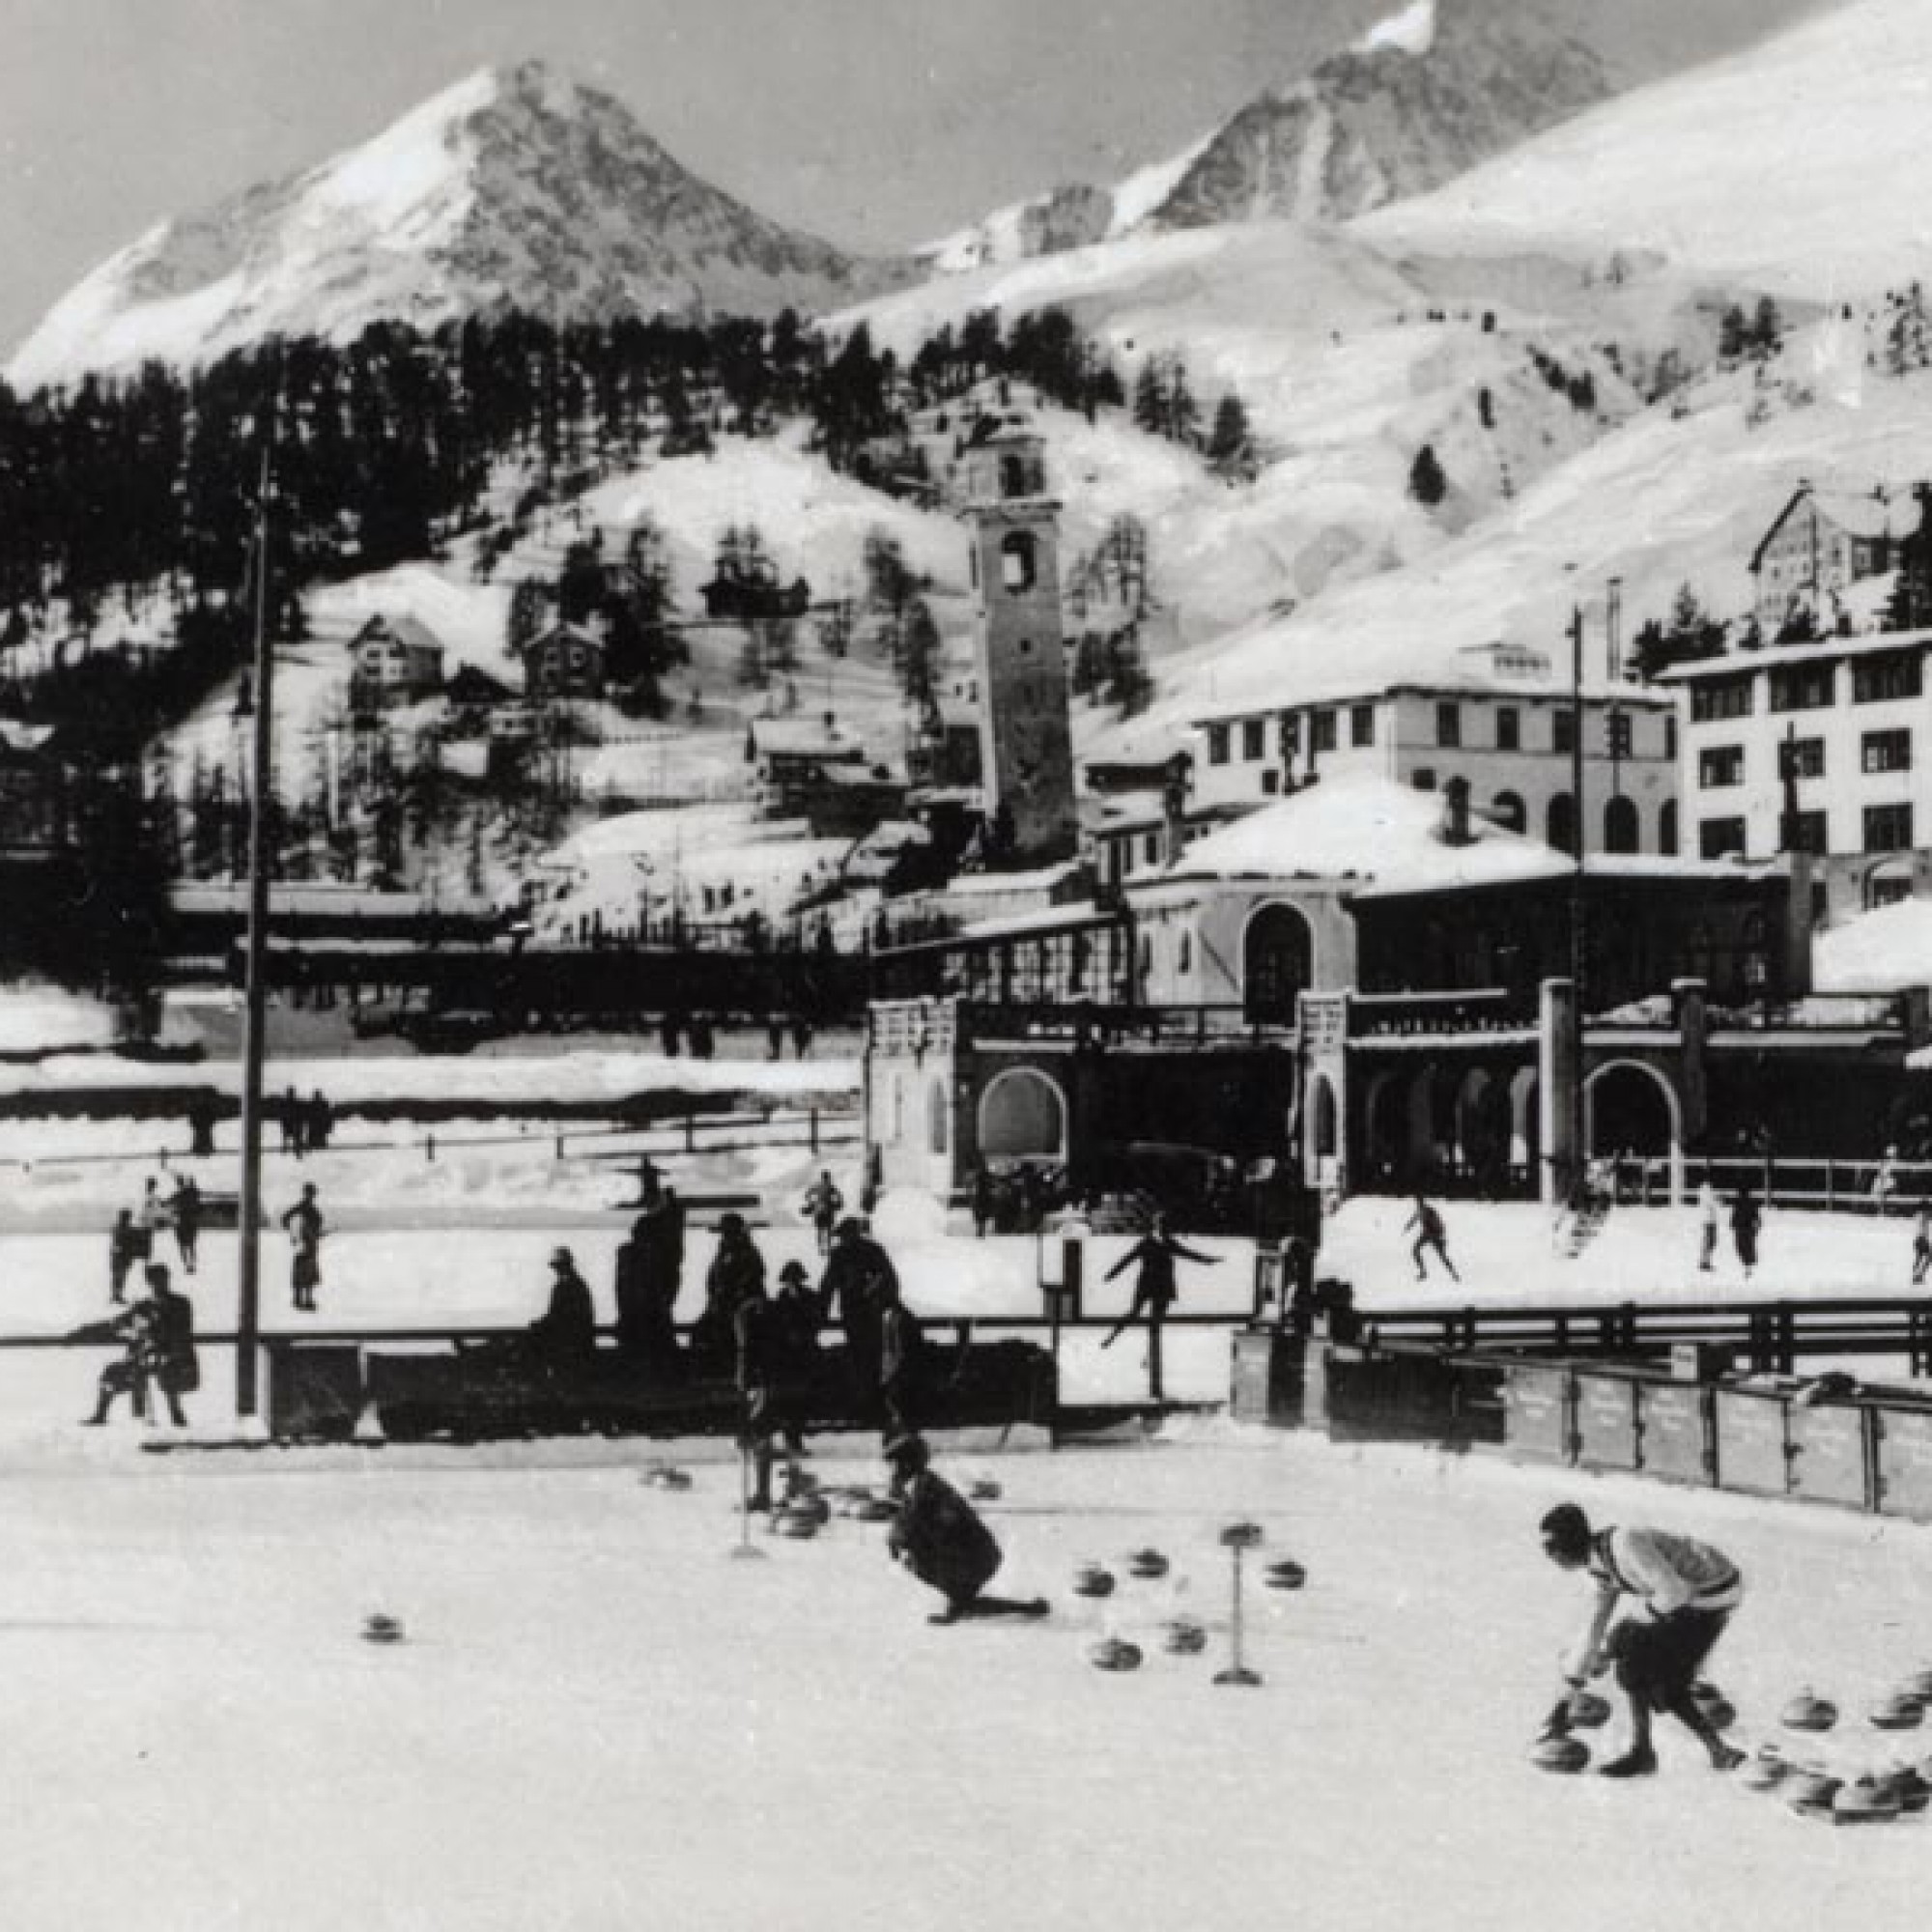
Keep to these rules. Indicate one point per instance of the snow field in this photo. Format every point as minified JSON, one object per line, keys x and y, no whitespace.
{"x":598,"y":1720}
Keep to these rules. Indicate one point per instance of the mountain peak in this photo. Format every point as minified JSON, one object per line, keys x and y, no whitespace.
{"x":516,"y":186}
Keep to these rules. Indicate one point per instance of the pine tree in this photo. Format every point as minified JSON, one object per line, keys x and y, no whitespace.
{"x":1231,"y":449}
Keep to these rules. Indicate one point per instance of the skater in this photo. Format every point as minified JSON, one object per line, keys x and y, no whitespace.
{"x":1155,"y":1254}
{"x":320,"y":1122}
{"x":822,"y":1203}
{"x":939,"y":1536}
{"x":1922,"y":1244}
{"x":859,"y":1275}
{"x":801,"y":1036}
{"x":303,"y":1221}
{"x":1689,"y":1592}
{"x":1745,"y":1219}
{"x":186,"y":1211}
{"x":125,"y":1245}
{"x":1431,"y":1237}
{"x":1707,"y":1224}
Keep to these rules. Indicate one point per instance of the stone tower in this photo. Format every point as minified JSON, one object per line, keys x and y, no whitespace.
{"x":1026,"y":732}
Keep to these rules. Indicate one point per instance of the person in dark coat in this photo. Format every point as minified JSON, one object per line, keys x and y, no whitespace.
{"x":758,"y":1348}
{"x":858,"y":1275}
{"x":901,"y":1361}
{"x":823,"y":1203}
{"x":186,"y":1211}
{"x":125,"y":1245}
{"x":303,"y":1221}
{"x":564,"y":1337}
{"x":157,"y":1334}
{"x":737,"y":1272}
{"x":1154,"y":1255}
{"x":985,"y":1199}
{"x":939,"y":1536}
{"x":177,"y":1368}
{"x":1747,"y":1217}
{"x":646,"y":1327}
{"x":795,"y":1309}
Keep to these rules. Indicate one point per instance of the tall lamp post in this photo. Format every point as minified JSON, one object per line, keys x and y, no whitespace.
{"x":1578,"y":944}
{"x":247,"y":1301}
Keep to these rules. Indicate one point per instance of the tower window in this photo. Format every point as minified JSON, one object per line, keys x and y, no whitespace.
{"x":1018,"y":567}
{"x":1013,"y":476}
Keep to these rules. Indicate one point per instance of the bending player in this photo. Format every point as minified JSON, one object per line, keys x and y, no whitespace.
{"x":939,"y":1536}
{"x":1689,"y":1591}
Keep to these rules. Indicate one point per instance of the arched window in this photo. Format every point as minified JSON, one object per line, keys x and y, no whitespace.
{"x":1560,"y":823}
{"x":1022,"y":1116}
{"x":1667,"y":828}
{"x":1019,"y":561}
{"x":1620,"y":825}
{"x":1508,"y":811}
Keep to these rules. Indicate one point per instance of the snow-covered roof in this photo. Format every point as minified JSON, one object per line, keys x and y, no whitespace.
{"x":1858,"y":513}
{"x":1330,"y":680}
{"x":1000,"y":885}
{"x":412,"y":632}
{"x":16,"y":736}
{"x":1362,"y":826}
{"x":1876,"y":952}
{"x":1774,"y":657}
{"x":804,"y":738}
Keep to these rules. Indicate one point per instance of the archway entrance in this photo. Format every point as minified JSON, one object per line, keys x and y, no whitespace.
{"x":1022,"y":1117}
{"x":1630,"y":1108}
{"x":1277,"y":962}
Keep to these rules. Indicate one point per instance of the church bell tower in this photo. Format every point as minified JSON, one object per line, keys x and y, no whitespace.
{"x":1025,"y":731}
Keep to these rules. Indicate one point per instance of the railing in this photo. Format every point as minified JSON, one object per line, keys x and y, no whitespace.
{"x":1107,"y":1025}
{"x":1816,"y":1013}
{"x":1387,"y":1015}
{"x":1768,"y":1336}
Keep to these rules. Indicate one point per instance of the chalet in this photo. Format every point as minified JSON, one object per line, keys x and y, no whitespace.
{"x":393,"y":661}
{"x":791,"y":757}
{"x":565,"y":660}
{"x":755,"y":598}
{"x":1821,"y":543}
{"x":475,"y":697}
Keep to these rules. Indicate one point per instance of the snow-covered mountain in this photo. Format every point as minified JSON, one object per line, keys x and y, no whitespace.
{"x":1801,"y":164}
{"x":1428,"y":94}
{"x":515,"y":187}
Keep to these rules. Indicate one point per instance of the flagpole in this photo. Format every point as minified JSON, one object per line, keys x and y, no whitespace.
{"x":248,"y":1299}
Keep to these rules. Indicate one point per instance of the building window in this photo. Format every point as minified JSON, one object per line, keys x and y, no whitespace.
{"x":1888,"y":828}
{"x":1449,"y":725}
{"x":1018,"y":565}
{"x":1808,"y":832}
{"x":1423,"y":778}
{"x":1617,"y":734}
{"x":1801,"y":688}
{"x":1893,"y":674}
{"x":1217,"y":744}
{"x":1270,"y":783}
{"x":1885,"y":751}
{"x":1321,"y":731}
{"x":1670,"y":734}
{"x":1719,"y":766}
{"x":1803,"y":758}
{"x":1151,"y":847}
{"x":1361,"y":725}
{"x":1721,"y":697}
{"x":1563,"y":729}
{"x":1667,"y":828}
{"x":1719,"y":837}
{"x":1254,"y":739}
{"x":1885,"y":893}
{"x":1620,"y":826}
{"x":1508,"y":728}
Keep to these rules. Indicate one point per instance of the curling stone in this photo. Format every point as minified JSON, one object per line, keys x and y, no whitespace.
{"x":1764,"y":1773}
{"x":798,"y":1523}
{"x":380,"y":1628}
{"x":1114,"y":1653}
{"x":1913,"y":1792}
{"x":667,"y":1476}
{"x":1240,"y":1535}
{"x":983,"y":1490}
{"x":875,"y":1509}
{"x":1809,"y":1711}
{"x":1286,"y":1574}
{"x":1588,"y":1712}
{"x":1869,"y":1802}
{"x":1091,"y":1579}
{"x":1811,"y":1793}
{"x":809,"y":1502}
{"x":1182,"y":1637}
{"x":1897,"y":1712}
{"x":1147,"y":1565}
{"x":1567,"y":1755}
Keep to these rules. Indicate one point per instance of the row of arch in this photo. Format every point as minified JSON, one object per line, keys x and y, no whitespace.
{"x":1622,"y":822}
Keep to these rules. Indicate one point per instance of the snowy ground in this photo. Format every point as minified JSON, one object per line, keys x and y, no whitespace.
{"x":600,"y":1720}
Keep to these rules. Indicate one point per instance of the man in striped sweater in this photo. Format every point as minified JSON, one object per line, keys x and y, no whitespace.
{"x":1688,"y":1591}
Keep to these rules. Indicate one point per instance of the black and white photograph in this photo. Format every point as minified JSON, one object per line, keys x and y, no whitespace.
{"x":965,"y":964}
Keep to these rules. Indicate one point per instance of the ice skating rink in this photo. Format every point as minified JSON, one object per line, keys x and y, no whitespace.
{"x":601,"y":1719}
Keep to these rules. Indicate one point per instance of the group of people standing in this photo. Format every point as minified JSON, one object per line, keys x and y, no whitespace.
{"x":137,"y":1231}
{"x":307,"y":1125}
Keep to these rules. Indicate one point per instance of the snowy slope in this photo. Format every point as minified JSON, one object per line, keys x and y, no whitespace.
{"x":514,"y":188}
{"x":1802,"y":163}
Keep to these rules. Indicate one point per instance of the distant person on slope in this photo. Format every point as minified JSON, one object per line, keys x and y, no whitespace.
{"x":1689,"y":1591}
